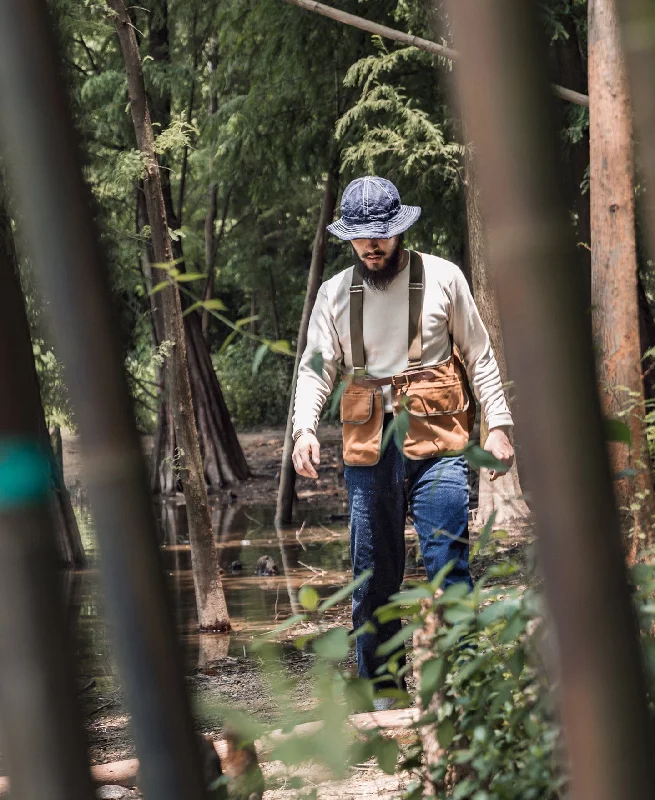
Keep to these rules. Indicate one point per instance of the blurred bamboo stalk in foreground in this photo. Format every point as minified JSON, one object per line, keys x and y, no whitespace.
{"x":505,"y":100}
{"x":40,"y":723}
{"x":57,"y":222}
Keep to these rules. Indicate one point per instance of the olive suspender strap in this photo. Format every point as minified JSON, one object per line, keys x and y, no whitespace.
{"x":357,"y":325}
{"x":414,"y":330}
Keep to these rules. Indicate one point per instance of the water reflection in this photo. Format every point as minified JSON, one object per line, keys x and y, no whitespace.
{"x":316,"y":553}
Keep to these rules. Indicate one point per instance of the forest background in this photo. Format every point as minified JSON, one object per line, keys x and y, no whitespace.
{"x":254,"y":104}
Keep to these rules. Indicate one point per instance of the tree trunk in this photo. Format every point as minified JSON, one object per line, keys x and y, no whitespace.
{"x":614,"y":267}
{"x":212,"y":610}
{"x":286,"y":490}
{"x":223,"y":460}
{"x":502,"y":497}
{"x":12,"y":309}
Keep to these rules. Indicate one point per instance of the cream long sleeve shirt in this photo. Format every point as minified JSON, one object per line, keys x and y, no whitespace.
{"x":448,"y":309}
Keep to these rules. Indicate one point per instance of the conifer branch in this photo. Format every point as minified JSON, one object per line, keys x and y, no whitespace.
{"x":415,"y":41}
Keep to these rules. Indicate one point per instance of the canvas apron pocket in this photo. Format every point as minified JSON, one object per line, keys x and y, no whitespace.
{"x":362,"y":418}
{"x":440,"y":409}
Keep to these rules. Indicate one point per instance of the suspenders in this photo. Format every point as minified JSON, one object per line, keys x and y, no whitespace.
{"x":414,"y":331}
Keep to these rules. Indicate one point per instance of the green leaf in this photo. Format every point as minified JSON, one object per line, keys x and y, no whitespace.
{"x":504,"y":693}
{"x":442,"y":575}
{"x":468,"y":670}
{"x":159,"y":286}
{"x":214,"y":304}
{"x":240,"y":323}
{"x":411,"y":595}
{"x":515,"y":627}
{"x":281,"y":346}
{"x":456,"y":591}
{"x":477,"y":457}
{"x":210,"y":305}
{"x":516,"y":663}
{"x":333,"y":646}
{"x":446,"y":733}
{"x":187,"y":277}
{"x":316,"y":362}
{"x":259,"y":357}
{"x":336,"y":398}
{"x":483,"y":538}
{"x":337,"y":597}
{"x":358,"y":694}
{"x":308,"y":598}
{"x":433,"y":675}
{"x":397,"y":429}
{"x":387,"y":755}
{"x":283,"y":626}
{"x":397,"y":640}
{"x":497,"y":610}
{"x":457,"y":614}
{"x":617,"y":431}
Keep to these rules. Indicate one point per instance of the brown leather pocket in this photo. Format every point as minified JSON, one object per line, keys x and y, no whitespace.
{"x":362,"y":416}
{"x":438,"y":415}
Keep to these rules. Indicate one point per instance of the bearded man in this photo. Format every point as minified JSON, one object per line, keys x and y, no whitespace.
{"x":405,"y":331}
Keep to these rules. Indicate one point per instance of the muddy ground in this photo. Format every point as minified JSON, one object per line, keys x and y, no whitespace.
{"x":234,"y":677}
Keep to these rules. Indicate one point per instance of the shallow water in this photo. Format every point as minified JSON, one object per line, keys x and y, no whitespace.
{"x":316,"y":553}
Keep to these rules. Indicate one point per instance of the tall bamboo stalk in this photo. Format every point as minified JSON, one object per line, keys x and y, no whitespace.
{"x":38,"y":703}
{"x":45,"y":168}
{"x":549,"y":352}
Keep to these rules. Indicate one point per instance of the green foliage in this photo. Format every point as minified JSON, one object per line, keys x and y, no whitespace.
{"x":263,"y":400}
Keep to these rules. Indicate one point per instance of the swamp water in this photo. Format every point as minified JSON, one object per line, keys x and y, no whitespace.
{"x":315,"y":553}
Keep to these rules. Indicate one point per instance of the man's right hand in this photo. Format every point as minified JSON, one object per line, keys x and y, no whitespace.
{"x":306,"y":453}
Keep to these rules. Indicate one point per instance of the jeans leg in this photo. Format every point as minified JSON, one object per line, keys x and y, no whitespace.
{"x":377,"y":541}
{"x":439,"y":499}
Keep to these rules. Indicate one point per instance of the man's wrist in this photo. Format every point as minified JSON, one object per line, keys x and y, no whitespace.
{"x":300,"y":432}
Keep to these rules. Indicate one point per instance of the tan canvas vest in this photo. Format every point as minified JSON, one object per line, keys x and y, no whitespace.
{"x":438,"y":398}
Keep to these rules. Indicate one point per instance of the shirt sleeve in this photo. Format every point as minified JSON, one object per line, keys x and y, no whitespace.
{"x":316,"y":375}
{"x":471,"y":337}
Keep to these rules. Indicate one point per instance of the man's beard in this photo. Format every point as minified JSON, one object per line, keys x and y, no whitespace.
{"x":379,"y":279}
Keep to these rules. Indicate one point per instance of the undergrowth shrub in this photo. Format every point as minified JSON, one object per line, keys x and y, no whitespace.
{"x":254,"y":399}
{"x":485,"y":685}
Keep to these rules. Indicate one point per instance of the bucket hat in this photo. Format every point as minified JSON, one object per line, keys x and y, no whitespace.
{"x":371,"y":209}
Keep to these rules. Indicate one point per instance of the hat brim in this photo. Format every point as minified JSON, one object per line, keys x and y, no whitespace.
{"x":374,"y":229}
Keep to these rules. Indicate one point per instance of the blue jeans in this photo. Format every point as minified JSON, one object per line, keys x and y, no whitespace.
{"x":436,"y":491}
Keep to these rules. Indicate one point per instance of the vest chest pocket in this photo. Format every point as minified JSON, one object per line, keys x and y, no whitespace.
{"x":362,"y":417}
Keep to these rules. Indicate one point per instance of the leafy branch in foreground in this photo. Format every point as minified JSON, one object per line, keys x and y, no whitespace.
{"x":214,"y":306}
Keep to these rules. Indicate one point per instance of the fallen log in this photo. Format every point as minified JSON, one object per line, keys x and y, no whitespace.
{"x":123,"y":773}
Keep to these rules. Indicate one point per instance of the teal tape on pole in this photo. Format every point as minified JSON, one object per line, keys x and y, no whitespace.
{"x":24,"y":473}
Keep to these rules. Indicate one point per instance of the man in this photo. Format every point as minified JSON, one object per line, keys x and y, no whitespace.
{"x":391,"y":321}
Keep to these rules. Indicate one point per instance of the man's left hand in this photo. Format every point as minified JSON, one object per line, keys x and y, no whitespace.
{"x":499,"y":445}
